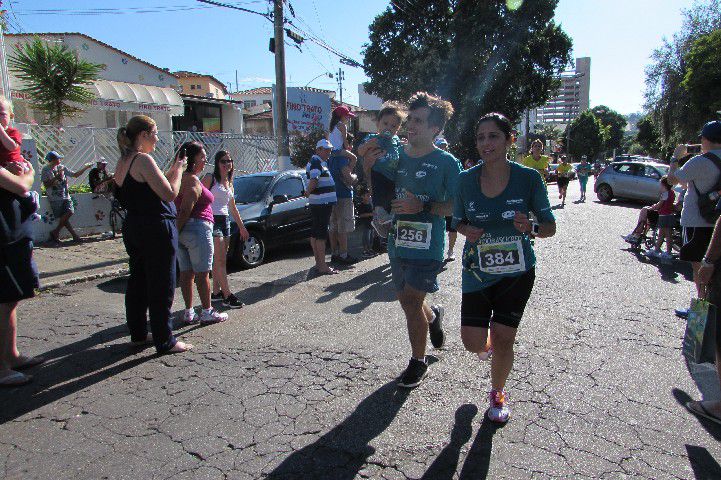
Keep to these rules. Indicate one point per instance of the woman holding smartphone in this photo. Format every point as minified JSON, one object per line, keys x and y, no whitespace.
{"x":149,"y":234}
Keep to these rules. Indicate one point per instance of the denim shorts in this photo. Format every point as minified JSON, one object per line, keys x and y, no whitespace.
{"x":195,"y":246}
{"x":221,"y":226}
{"x":419,"y":274}
{"x":61,"y":207}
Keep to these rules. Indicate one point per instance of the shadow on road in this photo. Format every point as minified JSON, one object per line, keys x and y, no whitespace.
{"x":72,"y":368}
{"x":704,"y":466}
{"x":379,"y":289}
{"x":342,"y":452}
{"x":272,"y":288}
{"x":446,"y":463}
{"x":478,"y":460}
{"x":669,"y":271}
{"x":712,"y":428}
{"x":622,"y":204}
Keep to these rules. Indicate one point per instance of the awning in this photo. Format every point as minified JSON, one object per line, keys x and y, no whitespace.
{"x":135,"y":97}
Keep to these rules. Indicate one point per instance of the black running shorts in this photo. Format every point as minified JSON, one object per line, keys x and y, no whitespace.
{"x":695,"y":243}
{"x":503,"y":302}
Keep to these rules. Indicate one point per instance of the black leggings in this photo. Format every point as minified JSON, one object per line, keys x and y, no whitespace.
{"x":151,"y":244}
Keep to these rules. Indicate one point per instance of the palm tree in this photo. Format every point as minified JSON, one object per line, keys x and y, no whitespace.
{"x":54,"y":78}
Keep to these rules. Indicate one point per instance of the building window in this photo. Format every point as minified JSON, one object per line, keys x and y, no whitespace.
{"x":192,"y":87}
{"x":111,"y":120}
{"x":198,"y":87}
{"x":249,"y":103}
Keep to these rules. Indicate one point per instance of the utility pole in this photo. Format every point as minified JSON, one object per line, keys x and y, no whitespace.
{"x":236,"y":80}
{"x":280,"y":105}
{"x":341,"y":77}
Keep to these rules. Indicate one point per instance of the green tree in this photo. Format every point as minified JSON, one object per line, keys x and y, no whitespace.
{"x":702,"y":80}
{"x":548,"y":131}
{"x":667,"y":101}
{"x":482,"y":56}
{"x":302,"y":146}
{"x":648,"y":136}
{"x":586,"y":135}
{"x":54,"y":77}
{"x":614,"y":122}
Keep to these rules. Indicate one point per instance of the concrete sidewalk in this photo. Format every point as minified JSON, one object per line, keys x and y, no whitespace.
{"x":72,"y":262}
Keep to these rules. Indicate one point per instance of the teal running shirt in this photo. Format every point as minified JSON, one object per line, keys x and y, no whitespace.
{"x":502,"y":251}
{"x":432,"y":178}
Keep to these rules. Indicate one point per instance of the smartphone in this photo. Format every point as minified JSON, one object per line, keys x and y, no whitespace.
{"x":693,"y":148}
{"x":182,"y":153}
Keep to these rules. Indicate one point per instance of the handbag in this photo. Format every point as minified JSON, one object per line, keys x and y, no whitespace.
{"x":706,"y":205}
{"x":699,"y":341}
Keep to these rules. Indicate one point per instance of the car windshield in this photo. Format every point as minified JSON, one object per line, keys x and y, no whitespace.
{"x":662,"y":169}
{"x":250,"y":189}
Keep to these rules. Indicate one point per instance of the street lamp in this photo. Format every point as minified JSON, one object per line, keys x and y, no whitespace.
{"x":328,"y":74}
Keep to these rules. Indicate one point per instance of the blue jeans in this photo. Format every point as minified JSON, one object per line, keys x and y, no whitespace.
{"x":195,"y":246}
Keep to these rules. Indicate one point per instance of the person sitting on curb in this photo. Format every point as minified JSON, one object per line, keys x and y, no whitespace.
{"x":55,"y":178}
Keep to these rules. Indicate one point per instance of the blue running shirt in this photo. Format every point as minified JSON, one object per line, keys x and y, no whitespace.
{"x":502,"y":251}
{"x":432,"y":178}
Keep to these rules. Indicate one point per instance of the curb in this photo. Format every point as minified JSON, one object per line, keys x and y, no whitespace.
{"x":87,"y":278}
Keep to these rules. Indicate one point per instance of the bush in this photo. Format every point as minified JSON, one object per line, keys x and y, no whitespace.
{"x":302,"y":146}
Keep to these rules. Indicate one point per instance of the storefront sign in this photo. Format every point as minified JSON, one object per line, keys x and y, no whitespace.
{"x":115,"y":105}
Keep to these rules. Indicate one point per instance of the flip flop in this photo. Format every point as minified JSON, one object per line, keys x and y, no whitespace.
{"x":15,"y":379}
{"x":698,"y":409}
{"x":329,"y":272}
{"x":29,"y":362}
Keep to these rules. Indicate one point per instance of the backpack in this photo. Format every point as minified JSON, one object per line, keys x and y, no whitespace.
{"x":707,"y":206}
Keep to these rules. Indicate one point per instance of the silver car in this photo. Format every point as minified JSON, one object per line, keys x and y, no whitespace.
{"x":634,"y":180}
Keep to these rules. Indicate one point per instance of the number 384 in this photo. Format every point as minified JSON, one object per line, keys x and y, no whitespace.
{"x":499,"y":258}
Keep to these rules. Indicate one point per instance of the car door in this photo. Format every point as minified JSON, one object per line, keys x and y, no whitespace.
{"x":624,"y":180}
{"x":648,"y":184}
{"x":289,"y":219}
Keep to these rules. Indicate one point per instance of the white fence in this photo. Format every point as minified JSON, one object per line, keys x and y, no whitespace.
{"x":81,"y":145}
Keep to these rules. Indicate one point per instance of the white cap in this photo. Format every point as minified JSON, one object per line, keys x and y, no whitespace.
{"x":324,"y":143}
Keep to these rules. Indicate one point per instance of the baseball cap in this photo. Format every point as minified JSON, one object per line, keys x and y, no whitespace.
{"x":440,"y":141}
{"x":712,"y":131}
{"x":53,"y":155}
{"x":343,"y":111}
{"x":101,"y":160}
{"x":324,"y":143}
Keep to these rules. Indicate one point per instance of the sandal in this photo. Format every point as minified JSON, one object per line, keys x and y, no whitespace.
{"x":698,"y":409}
{"x":15,"y":379}
{"x":24,"y":362}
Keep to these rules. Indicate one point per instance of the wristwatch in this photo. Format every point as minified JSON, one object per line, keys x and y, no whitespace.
{"x":705,"y":262}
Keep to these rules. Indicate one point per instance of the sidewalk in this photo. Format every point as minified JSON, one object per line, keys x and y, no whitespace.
{"x":78,"y":262}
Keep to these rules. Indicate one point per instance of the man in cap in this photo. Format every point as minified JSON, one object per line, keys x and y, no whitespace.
{"x":698,"y":175}
{"x":709,"y":272}
{"x":99,"y":178}
{"x":321,"y":197}
{"x":55,"y":178}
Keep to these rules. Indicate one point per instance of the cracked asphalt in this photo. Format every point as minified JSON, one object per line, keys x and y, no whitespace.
{"x":301,"y":382}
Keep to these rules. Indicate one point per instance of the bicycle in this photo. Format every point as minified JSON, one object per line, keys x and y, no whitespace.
{"x":117,"y":214}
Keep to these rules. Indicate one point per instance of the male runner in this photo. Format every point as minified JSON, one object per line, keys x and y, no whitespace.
{"x":426,"y":182}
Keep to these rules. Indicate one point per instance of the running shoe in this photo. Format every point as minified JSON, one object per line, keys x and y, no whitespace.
{"x":485,"y":355}
{"x":498,"y":410}
{"x":414,"y":374}
{"x":213,"y":316}
{"x":216,"y":296}
{"x":231,"y":301}
{"x":189,"y":317}
{"x":683,"y":313}
{"x":435,"y":329}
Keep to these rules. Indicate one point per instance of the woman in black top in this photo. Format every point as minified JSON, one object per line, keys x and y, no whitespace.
{"x":149,"y":234}
{"x":18,"y":274}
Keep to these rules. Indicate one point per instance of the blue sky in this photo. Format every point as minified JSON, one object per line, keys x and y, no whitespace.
{"x":618,"y":35}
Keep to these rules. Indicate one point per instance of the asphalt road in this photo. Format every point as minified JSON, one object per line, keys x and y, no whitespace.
{"x":301,"y":382}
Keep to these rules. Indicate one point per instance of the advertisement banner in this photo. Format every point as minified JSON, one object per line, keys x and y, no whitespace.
{"x":306,"y":110}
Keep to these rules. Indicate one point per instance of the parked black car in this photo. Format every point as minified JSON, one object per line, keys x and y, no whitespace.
{"x":274,"y":209}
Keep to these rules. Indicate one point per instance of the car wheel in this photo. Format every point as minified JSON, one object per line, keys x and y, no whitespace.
{"x":604,"y":193}
{"x":250,"y":253}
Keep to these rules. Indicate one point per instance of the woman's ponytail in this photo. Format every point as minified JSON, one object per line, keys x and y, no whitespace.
{"x":124,"y":143}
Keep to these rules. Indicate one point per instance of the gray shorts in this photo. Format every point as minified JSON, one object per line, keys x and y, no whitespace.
{"x":61,"y":207}
{"x":195,"y":246}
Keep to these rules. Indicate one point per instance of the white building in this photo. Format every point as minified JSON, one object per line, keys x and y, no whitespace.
{"x":255,"y":98}
{"x":126,"y":87}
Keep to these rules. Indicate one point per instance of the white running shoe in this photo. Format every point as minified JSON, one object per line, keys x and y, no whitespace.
{"x":498,"y":410}
{"x":485,"y":355}
{"x":213,"y":316}
{"x":189,"y":317}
